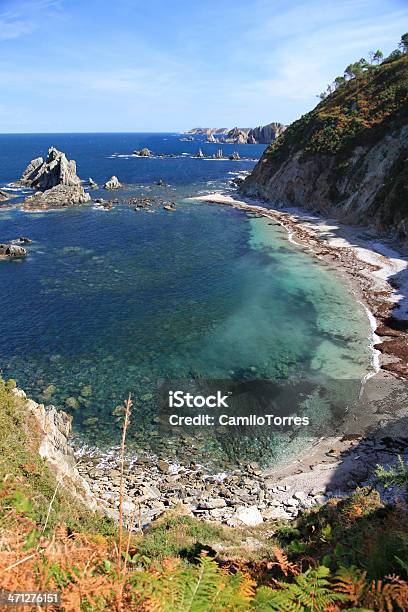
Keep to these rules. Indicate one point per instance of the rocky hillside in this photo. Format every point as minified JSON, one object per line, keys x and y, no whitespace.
{"x":349,"y":155}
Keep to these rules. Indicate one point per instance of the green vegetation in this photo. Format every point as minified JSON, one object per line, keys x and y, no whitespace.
{"x":27,"y":483}
{"x":394,"y":476}
{"x":358,"y":107}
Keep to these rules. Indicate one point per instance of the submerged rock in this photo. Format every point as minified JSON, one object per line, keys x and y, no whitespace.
{"x":11,"y":251}
{"x":113,"y":183}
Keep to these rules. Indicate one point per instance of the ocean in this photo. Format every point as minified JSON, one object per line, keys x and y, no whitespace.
{"x":112,"y":302}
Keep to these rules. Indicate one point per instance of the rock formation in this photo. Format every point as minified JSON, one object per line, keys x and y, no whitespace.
{"x":219,"y":154}
{"x":4,"y":195}
{"x":348,"y":156}
{"x":199,"y":153}
{"x":113,"y":183}
{"x":54,"y":428}
{"x":92,"y":184}
{"x":260,"y":135}
{"x":55,"y":180}
{"x":145,"y":152}
{"x":11,"y":251}
{"x":234,"y":156}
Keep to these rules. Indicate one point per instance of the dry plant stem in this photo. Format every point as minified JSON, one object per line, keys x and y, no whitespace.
{"x":128,"y":406}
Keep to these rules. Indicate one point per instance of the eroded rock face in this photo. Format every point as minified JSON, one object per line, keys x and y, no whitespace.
{"x":55,"y":428}
{"x":113,"y":183}
{"x":58,"y":197}
{"x":11,"y":251}
{"x":46,"y":174}
{"x":56,"y":181}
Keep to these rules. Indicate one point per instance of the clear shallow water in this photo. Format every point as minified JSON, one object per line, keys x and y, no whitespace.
{"x":108,"y":303}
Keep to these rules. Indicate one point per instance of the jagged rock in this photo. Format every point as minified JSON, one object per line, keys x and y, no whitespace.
{"x":92,"y":184}
{"x":11,"y":251}
{"x":58,"y":197}
{"x":113,"y":183}
{"x":219,"y":154}
{"x":265,"y":134}
{"x":4,"y":195}
{"x":55,"y":170}
{"x":199,"y":153}
{"x":145,"y":152}
{"x":56,"y":181}
{"x":161,"y":183}
{"x":210,"y":138}
{"x":275,"y":513}
{"x":235,"y":156}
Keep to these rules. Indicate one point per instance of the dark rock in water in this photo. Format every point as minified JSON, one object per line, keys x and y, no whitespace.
{"x":145,"y":152}
{"x":56,"y":182}
{"x":113,"y":183}
{"x":92,"y":184}
{"x":170,"y":206}
{"x":22,"y":240}
{"x":219,"y":154}
{"x":161,"y":183}
{"x":11,"y":251}
{"x":4,"y":195}
{"x":57,"y":197}
{"x":235,"y":156}
{"x":200,"y":153}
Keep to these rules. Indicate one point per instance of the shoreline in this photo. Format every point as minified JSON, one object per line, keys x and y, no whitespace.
{"x":331,"y":466}
{"x":355,"y":253}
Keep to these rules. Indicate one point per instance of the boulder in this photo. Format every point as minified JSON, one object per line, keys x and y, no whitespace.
{"x":92,"y":184}
{"x":113,"y":183}
{"x":212,"y":504}
{"x":11,"y":251}
{"x":249,"y":516}
{"x":234,"y":156}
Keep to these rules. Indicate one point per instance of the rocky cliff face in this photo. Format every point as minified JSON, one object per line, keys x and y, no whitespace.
{"x":349,"y":156}
{"x":55,"y":180}
{"x":54,"y":429}
{"x":259,"y":135}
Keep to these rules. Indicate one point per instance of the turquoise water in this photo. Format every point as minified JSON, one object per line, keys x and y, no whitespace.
{"x":112,"y":302}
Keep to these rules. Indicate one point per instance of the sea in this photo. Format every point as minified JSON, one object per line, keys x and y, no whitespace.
{"x":116,"y":302}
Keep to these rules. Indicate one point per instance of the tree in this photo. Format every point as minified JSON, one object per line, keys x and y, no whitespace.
{"x":339,"y":80}
{"x":403,"y":44}
{"x":356,"y":69}
{"x":375,"y":56}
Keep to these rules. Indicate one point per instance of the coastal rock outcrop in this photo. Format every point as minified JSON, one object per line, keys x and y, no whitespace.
{"x":264,"y":134}
{"x":145,"y":152}
{"x":11,"y":251}
{"x":348,"y":156}
{"x":92,"y":184}
{"x":55,"y":180}
{"x":113,"y":183}
{"x":54,"y":428}
{"x":4,"y":196}
{"x":57,"y":197}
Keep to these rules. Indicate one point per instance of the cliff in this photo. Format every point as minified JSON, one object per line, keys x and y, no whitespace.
{"x":347,"y":157}
{"x":259,"y":135}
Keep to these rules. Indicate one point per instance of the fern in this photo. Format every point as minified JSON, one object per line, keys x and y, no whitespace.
{"x":310,"y":592}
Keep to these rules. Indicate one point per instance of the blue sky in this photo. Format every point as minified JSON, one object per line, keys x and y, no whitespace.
{"x":168,"y":65}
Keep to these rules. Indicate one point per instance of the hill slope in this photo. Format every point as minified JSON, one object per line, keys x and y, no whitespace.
{"x":348,"y":156}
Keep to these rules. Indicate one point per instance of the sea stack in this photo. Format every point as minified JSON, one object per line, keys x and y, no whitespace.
{"x":113,"y":183}
{"x":55,"y":180}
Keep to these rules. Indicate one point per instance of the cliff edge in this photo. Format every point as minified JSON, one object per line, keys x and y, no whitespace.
{"x":349,"y":156}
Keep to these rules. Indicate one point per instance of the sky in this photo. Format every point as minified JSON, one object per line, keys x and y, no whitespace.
{"x":169,"y":65}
